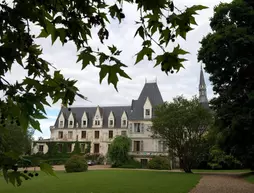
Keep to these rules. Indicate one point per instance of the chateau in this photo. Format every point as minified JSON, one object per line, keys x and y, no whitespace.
{"x":98,"y":126}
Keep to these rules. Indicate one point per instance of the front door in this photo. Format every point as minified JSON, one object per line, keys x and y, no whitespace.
{"x":96,"y":148}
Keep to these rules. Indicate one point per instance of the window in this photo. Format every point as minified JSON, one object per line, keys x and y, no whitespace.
{"x":123,"y":133}
{"x":82,"y":147}
{"x":84,"y":122}
{"x":108,"y":146}
{"x":110,"y":134}
{"x":70,"y":134}
{"x":137,"y":127}
{"x":83,"y":134}
{"x":60,"y":134}
{"x":61,"y":123}
{"x":41,"y":148}
{"x":147,"y":112}
{"x":96,"y":134}
{"x":69,"y":147}
{"x":97,"y":148}
{"x":111,"y":122}
{"x":162,"y":146}
{"x":70,"y":123}
{"x":124,"y":123}
{"x":136,"y":145}
{"x":97,"y":122}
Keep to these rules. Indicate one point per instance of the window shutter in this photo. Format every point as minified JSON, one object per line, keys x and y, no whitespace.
{"x":130,"y":128}
{"x":142,"y":127}
{"x":141,"y":146}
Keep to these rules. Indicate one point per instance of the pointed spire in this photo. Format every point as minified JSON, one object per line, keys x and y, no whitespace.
{"x":201,"y":79}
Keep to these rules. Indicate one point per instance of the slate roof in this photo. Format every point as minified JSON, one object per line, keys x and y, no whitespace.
{"x":134,"y":111}
{"x":90,"y":112}
{"x":151,"y":91}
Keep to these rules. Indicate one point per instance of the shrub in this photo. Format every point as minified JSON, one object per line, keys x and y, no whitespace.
{"x":76,"y":163}
{"x":159,"y":163}
{"x":131,"y":164}
{"x":96,"y":157}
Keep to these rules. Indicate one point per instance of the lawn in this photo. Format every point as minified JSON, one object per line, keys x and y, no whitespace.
{"x":250,"y":178}
{"x":114,"y":181}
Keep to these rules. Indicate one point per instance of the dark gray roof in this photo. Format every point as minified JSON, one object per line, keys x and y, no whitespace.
{"x":90,"y":112}
{"x":151,"y":91}
{"x":134,"y":112}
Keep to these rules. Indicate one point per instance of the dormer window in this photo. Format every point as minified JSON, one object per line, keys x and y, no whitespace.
{"x":147,"y":109}
{"x":61,"y":124}
{"x":97,"y":122}
{"x":111,"y":119}
{"x":84,"y":120}
{"x":71,"y":121}
{"x":124,"y":119}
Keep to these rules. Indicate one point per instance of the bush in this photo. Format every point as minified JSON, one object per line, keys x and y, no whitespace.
{"x":76,"y":164}
{"x":130,"y":164}
{"x":159,"y":163}
{"x":96,"y":157}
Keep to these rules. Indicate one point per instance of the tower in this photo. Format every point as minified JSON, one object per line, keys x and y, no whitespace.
{"x":202,"y":90}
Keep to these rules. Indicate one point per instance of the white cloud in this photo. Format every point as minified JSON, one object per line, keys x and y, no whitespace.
{"x":185,"y":82}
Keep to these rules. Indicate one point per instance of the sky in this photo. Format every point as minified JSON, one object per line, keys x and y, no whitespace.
{"x":185,"y":82}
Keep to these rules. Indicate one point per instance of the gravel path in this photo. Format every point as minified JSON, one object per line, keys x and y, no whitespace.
{"x":223,"y":184}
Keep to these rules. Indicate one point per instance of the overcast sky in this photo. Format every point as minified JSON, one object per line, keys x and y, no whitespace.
{"x":185,"y":82}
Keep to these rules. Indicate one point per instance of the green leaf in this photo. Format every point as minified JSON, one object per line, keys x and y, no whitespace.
{"x":62,"y":34}
{"x":142,"y":53}
{"x":48,"y":169}
{"x":103,"y":57}
{"x":35,"y":124}
{"x":104,"y":71}
{"x":177,"y":50}
{"x":112,"y":49}
{"x":5,"y":174}
{"x":86,"y":58}
{"x":140,"y":31}
{"x":43,"y":34}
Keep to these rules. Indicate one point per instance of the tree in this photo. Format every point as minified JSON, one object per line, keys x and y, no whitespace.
{"x":77,"y":149}
{"x":118,"y":151}
{"x":226,"y":53}
{"x":15,"y":141}
{"x":182,"y":124}
{"x":72,"y":21}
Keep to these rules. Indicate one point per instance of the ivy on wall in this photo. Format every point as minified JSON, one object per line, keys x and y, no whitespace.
{"x":60,"y":149}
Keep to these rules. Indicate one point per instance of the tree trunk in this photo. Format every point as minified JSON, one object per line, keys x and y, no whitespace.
{"x":186,"y":165}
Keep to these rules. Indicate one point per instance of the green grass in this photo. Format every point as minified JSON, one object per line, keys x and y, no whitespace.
{"x":113,"y":181}
{"x":223,"y":171}
{"x":250,"y":178}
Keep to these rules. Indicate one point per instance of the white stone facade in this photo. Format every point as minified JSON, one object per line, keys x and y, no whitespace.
{"x":100,"y":125}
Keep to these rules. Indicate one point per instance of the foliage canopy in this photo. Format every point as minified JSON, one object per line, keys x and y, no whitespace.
{"x":228,"y":58}
{"x":182,"y":124}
